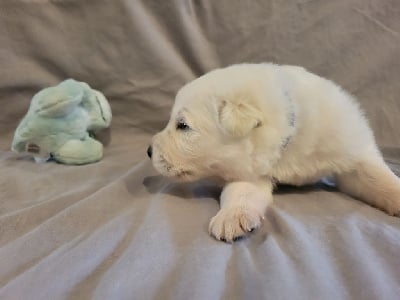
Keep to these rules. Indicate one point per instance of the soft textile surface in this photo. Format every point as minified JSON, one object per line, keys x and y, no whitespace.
{"x":117,"y":230}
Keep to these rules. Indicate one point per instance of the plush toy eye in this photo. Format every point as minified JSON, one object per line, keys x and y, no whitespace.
{"x":181,"y":125}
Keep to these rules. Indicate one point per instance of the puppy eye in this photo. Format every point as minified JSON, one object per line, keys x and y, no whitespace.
{"x":181,"y":125}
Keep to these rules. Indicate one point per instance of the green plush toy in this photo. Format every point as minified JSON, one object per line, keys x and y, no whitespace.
{"x":60,"y":123}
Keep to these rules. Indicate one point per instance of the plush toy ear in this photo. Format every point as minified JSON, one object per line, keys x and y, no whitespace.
{"x":60,"y":100}
{"x":238,"y":119}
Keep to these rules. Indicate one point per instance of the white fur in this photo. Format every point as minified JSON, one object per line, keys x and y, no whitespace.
{"x":253,"y":125}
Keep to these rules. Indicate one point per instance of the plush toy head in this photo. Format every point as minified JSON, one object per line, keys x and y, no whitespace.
{"x":59,"y":121}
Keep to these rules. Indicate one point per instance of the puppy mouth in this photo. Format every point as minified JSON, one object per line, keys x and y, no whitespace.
{"x":184,"y":174}
{"x":167,"y":169}
{"x":164,"y":164}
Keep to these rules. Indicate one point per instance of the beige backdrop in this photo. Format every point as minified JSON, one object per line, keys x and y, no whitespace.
{"x":117,"y":230}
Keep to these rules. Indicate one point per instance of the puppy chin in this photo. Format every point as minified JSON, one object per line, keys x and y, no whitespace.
{"x":169,"y":171}
{"x":187,"y":176}
{"x":181,"y":176}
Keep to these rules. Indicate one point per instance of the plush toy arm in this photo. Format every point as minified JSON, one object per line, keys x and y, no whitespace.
{"x":79,"y":152}
{"x":104,"y":108}
{"x":99,"y":111}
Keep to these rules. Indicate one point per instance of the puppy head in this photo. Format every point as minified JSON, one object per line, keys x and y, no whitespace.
{"x":209,"y":134}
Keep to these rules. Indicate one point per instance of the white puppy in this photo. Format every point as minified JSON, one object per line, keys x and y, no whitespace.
{"x":254,"y":125}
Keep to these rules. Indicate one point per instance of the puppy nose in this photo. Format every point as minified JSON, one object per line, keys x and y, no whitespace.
{"x":149,"y":151}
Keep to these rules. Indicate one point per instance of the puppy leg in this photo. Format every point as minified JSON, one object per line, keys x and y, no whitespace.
{"x":373,"y":182}
{"x":243,"y":206}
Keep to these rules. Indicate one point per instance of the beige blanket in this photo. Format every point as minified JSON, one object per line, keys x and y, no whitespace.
{"x":117,"y":230}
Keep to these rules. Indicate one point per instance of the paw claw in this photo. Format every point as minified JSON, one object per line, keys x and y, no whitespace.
{"x":234,"y":224}
{"x":238,"y":238}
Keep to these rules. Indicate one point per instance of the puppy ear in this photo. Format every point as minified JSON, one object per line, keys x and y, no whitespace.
{"x":238,"y":119}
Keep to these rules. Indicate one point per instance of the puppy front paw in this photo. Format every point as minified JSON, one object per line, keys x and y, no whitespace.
{"x":231,"y":224}
{"x":392,"y":208}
